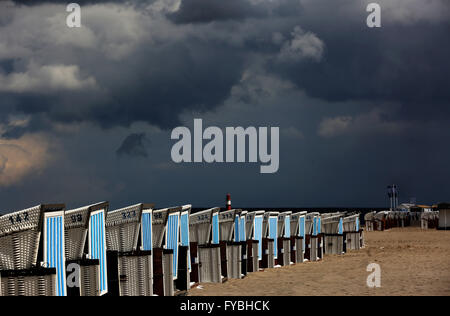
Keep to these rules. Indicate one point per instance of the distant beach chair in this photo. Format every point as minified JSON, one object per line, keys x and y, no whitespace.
{"x":313,"y":240}
{"x":205,"y":248}
{"x":319,"y":235}
{"x":352,"y":233}
{"x":165,"y":237}
{"x":414,"y":218}
{"x":86,"y":226}
{"x":332,"y":229}
{"x":273,"y":236}
{"x":230,"y":251}
{"x":129,"y":268}
{"x":443,"y":216}
{"x":369,"y":220}
{"x":243,"y":241}
{"x":380,"y":220}
{"x":252,"y":243}
{"x":267,"y":246}
{"x":258,"y":235}
{"x":297,"y":236}
{"x":283,"y":239}
{"x":32,"y":260}
{"x":183,"y":282}
{"x":429,"y":219}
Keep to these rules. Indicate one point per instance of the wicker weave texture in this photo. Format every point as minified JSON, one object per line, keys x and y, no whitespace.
{"x":29,"y":285}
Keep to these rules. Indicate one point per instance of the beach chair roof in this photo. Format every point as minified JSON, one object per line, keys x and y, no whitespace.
{"x":260,"y":212}
{"x":73,"y":220}
{"x":30,"y":218}
{"x":122,"y":227}
{"x":249,"y":224}
{"x":200,"y":225}
{"x":370,"y":215}
{"x":226,"y":223}
{"x":186,"y":207}
{"x":76,"y":225}
{"x":20,"y":234}
{"x":159,"y":223}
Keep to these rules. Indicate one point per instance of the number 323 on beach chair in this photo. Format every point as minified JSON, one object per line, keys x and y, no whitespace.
{"x":129,"y":268}
{"x":32,"y":245}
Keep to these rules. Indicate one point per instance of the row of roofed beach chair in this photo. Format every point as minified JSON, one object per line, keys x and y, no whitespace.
{"x":143,"y":251}
{"x":426,"y":219}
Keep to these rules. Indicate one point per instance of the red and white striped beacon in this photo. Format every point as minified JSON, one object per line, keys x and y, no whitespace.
{"x":228,"y":201}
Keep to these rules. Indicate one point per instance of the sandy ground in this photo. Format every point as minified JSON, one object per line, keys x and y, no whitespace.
{"x":412,"y":261}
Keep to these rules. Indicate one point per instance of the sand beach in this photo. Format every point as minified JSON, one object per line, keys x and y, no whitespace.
{"x":412,"y":261}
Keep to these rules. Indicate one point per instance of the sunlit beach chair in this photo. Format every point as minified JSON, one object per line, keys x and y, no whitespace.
{"x":352,"y":233}
{"x":265,"y":241}
{"x":252,"y":243}
{"x":230,"y":251}
{"x":258,"y":235}
{"x":32,"y":257}
{"x":129,"y":268}
{"x":270,"y":219}
{"x":443,"y":216}
{"x":313,"y":240}
{"x":369,"y":221}
{"x":85,"y":246}
{"x":183,"y":281}
{"x":298,"y":237}
{"x":332,"y":229}
{"x":165,"y":229}
{"x":205,"y":248}
{"x":243,"y":241}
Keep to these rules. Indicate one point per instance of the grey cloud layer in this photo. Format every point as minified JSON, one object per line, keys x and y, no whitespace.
{"x":338,"y":90}
{"x":128,"y":64}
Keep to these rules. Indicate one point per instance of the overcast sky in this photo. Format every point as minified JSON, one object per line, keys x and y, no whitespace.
{"x":86,"y":113}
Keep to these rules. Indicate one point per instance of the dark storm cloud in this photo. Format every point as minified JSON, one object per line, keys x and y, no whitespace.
{"x":153,"y":78}
{"x":200,"y":11}
{"x":197,"y":11}
{"x":80,"y":2}
{"x":350,"y":97}
{"x":154,"y":87}
{"x":133,"y":146}
{"x":196,"y":70}
{"x":397,"y":63}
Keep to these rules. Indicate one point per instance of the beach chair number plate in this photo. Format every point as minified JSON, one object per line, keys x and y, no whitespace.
{"x":226,"y":216}
{"x":23,"y":217}
{"x":76,"y":218}
{"x":202,"y":217}
{"x":131,"y":214}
